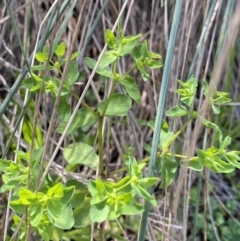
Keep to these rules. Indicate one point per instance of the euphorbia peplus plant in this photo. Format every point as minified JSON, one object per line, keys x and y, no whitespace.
{"x":57,"y":207}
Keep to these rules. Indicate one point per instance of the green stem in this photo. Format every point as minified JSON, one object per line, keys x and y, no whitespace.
{"x":100,"y":146}
{"x":131,"y":69}
{"x":100,"y":125}
{"x":83,"y":103}
{"x":112,"y":88}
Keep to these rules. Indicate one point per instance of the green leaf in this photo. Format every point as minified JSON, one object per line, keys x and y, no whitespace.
{"x":5,"y":165}
{"x":108,"y":58}
{"x":154,"y":55}
{"x":26,"y":196}
{"x":80,"y":192}
{"x":194,"y":164}
{"x":226,"y":142}
{"x":110,"y":39}
{"x":61,"y":49}
{"x":135,"y":170}
{"x":53,"y":210}
{"x":18,"y":207}
{"x":41,"y":57}
{"x":57,"y":82}
{"x":68,"y":193}
{"x":165,"y":135}
{"x":233,"y":158}
{"x":188,"y":91}
{"x":205,"y":87}
{"x":35,"y":212}
{"x":133,"y":208}
{"x":215,"y":109}
{"x":144,"y":73}
{"x":148,"y":181}
{"x":107,"y":72}
{"x":99,"y":212}
{"x":65,"y":219}
{"x":177,"y":111}
{"x":81,"y":153}
{"x":82,"y":214}
{"x":143,"y":193}
{"x":55,"y":192}
{"x":84,"y":117}
{"x":92,"y":187}
{"x":219,"y":166}
{"x":45,"y":232}
{"x":168,"y":170}
{"x":64,"y":108}
{"x":114,"y":209}
{"x":129,"y":43}
{"x":131,"y":87}
{"x":153,"y":64}
{"x":214,"y":127}
{"x":72,"y":74}
{"x":118,"y":105}
{"x":75,"y":55}
{"x":30,"y":84}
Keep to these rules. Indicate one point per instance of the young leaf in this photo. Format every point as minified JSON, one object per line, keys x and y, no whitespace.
{"x":118,"y":105}
{"x":41,"y":57}
{"x":154,"y":55}
{"x":26,"y":196}
{"x":219,"y":166}
{"x":168,"y":170}
{"x":188,"y":91}
{"x":75,"y":55}
{"x":143,"y":193}
{"x":205,"y":88}
{"x":84,"y":117}
{"x":233,"y":158}
{"x":177,"y":111}
{"x":215,"y":109}
{"x":81,"y":153}
{"x":61,"y":49}
{"x":55,"y":192}
{"x":153,"y":64}
{"x":226,"y":142}
{"x":110,"y":39}
{"x":129,"y":43}
{"x":134,"y":169}
{"x":148,"y":181}
{"x":131,"y":88}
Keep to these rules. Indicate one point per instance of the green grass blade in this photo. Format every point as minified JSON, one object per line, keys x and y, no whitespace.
{"x":160,"y":111}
